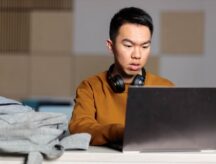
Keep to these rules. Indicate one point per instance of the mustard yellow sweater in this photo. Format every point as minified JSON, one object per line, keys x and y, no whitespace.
{"x":98,"y":110}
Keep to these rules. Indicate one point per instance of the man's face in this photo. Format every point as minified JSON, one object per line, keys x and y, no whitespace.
{"x":131,"y":49}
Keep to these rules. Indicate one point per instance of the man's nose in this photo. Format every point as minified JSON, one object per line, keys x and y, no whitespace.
{"x":136,"y":54}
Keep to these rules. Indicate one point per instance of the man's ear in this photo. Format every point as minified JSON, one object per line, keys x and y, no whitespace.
{"x":109,"y":45}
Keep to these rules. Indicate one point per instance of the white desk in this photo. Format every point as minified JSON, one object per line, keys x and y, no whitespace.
{"x":109,"y":156}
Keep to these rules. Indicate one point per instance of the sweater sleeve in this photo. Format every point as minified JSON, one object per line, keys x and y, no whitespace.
{"x":84,"y":118}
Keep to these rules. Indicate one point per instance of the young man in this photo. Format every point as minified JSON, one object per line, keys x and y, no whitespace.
{"x":100,"y":102}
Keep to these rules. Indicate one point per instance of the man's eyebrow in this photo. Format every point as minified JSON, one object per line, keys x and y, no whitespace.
{"x":147,"y":42}
{"x":127,"y":40}
{"x":130,"y":41}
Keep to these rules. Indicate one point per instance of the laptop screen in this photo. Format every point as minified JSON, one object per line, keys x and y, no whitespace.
{"x":170,"y":119}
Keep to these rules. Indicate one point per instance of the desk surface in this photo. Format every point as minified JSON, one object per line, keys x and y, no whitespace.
{"x":106,"y":155}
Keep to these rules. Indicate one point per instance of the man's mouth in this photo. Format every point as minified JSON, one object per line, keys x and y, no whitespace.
{"x":134,"y":67}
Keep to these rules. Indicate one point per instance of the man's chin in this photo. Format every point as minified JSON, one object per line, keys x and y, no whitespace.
{"x":133,"y":72}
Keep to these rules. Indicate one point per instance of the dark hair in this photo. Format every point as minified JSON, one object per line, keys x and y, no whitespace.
{"x":129,"y":15}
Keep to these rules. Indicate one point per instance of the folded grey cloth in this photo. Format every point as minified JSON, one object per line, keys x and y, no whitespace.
{"x":35,"y":157}
{"x":4,"y":100}
{"x":38,"y":134}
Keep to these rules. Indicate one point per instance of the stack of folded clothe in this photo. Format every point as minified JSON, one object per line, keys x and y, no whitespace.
{"x":38,"y":134}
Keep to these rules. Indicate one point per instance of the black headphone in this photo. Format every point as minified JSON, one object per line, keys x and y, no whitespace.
{"x":117,"y":83}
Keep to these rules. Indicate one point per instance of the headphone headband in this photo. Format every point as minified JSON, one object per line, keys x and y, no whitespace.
{"x":117,"y":83}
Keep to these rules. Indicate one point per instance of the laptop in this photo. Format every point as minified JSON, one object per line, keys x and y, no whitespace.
{"x":170,"y":119}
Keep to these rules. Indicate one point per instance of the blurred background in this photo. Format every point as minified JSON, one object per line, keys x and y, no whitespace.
{"x":47,"y":47}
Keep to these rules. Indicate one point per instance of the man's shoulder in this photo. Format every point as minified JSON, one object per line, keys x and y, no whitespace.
{"x":94,"y":80}
{"x":97,"y":77}
{"x":152,"y":79}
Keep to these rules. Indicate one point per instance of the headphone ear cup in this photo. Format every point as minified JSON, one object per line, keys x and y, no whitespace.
{"x":138,"y":80}
{"x":117,"y":84}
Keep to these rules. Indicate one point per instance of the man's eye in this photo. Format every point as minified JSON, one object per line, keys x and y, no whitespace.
{"x":127,"y":45}
{"x":147,"y":46}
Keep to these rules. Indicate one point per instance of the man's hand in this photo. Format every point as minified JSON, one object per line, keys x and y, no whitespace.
{"x":116,"y":132}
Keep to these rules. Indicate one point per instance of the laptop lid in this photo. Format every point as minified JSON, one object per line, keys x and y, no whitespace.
{"x":170,"y":119}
